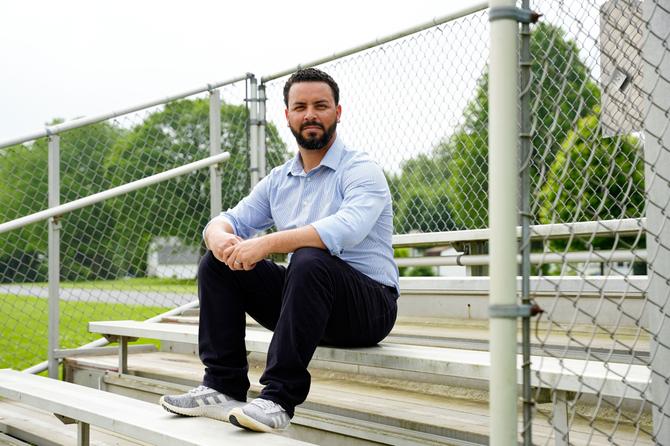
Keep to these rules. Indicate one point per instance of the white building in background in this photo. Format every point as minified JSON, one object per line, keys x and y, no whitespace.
{"x":169,"y":257}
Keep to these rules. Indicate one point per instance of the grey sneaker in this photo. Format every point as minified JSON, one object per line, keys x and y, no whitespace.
{"x":261,"y":416}
{"x":201,"y":402}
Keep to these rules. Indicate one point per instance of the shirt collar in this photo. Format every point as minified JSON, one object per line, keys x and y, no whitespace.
{"x":331,"y":159}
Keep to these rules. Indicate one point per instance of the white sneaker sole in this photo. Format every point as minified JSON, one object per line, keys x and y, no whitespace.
{"x":240,"y":419}
{"x":210,"y":411}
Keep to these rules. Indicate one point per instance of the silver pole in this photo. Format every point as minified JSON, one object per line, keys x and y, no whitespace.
{"x":253,"y":132}
{"x":262,"y":150}
{"x":54,"y":255}
{"x":656,"y":85}
{"x":590,"y":257}
{"x":214,"y":149}
{"x":503,"y":179}
{"x":76,"y":123}
{"x":478,"y":6}
{"x":111,"y":193}
{"x":526,"y":153}
{"x":604,"y":228}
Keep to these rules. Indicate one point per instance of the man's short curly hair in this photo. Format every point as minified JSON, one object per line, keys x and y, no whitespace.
{"x":311,"y":75}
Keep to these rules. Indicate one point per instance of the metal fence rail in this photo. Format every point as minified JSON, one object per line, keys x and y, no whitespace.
{"x":597,"y":104}
{"x":102,"y":251}
{"x":593,"y":101}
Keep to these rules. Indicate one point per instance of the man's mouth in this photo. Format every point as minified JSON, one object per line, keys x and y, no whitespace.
{"x":312,"y":127}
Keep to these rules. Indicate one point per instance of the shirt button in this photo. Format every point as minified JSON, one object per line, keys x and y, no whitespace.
{"x":304,"y":203}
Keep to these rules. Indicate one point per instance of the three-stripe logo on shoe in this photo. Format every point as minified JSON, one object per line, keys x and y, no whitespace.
{"x":276,"y":420}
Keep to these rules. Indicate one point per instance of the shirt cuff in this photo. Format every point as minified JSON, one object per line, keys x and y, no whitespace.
{"x":326,"y":228}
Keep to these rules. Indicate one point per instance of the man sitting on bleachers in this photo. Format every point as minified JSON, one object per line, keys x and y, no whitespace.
{"x":331,"y":206}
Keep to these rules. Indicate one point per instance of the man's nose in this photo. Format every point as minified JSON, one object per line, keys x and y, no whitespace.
{"x":310,"y":115}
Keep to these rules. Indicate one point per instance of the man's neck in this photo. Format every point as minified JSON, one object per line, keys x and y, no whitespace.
{"x":312,"y":158}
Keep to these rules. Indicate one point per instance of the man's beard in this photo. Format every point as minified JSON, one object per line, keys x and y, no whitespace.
{"x":314,"y":143}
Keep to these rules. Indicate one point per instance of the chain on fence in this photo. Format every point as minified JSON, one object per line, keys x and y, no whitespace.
{"x":599,"y":105}
{"x":109,"y":250}
{"x":415,"y":105}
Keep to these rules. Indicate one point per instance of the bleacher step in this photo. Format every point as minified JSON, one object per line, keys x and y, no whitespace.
{"x":474,"y":365}
{"x":6,"y":440}
{"x":631,"y":345}
{"x":371,"y":409}
{"x":137,"y":419}
{"x":38,"y":427}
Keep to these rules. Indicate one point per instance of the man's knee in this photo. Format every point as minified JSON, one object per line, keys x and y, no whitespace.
{"x":211,"y":265}
{"x":309,"y":259}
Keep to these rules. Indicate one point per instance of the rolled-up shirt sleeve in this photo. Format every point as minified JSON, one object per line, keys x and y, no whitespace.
{"x":252,"y":214}
{"x":365,"y":193}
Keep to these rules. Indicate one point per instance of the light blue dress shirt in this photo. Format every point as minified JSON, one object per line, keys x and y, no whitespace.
{"x":346,"y":199}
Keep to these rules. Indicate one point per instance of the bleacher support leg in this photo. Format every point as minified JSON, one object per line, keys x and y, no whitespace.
{"x":560,"y":418}
{"x":123,"y":355}
{"x":83,"y":434}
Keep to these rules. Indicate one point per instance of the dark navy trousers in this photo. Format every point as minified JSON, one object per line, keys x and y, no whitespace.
{"x":318,"y":300}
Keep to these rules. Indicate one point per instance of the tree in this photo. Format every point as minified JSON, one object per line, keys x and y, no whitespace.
{"x":562,"y":92}
{"x":24,"y":190}
{"x":112,"y":239}
{"x":594,"y":177}
{"x":174,"y":136}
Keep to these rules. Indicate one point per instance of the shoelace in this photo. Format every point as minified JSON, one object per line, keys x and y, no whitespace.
{"x":266,"y":405}
{"x":198,"y":389}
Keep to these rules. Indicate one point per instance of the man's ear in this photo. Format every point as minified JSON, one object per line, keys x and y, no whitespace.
{"x":339,"y":112}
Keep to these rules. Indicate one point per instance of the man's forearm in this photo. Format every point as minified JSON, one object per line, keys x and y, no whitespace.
{"x":292,"y":239}
{"x":217,"y":224}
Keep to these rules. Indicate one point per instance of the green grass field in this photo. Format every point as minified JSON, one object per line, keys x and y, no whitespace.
{"x":24,"y":325}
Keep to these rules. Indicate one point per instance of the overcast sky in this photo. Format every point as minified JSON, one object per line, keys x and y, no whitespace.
{"x":80,"y":57}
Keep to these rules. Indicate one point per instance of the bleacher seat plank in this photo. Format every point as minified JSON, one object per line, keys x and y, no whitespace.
{"x":572,"y":375}
{"x":450,"y":413}
{"x":137,"y":419}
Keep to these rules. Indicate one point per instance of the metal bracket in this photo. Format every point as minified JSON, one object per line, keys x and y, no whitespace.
{"x":513,"y":311}
{"x":65,"y":419}
{"x":512,"y":12}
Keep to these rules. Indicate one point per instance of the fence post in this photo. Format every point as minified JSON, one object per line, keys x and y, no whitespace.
{"x":503,"y":179}
{"x":262,"y":155}
{"x":656,"y":86}
{"x":54,"y":255}
{"x":214,"y":149}
{"x":525,"y":147}
{"x":253,"y":131}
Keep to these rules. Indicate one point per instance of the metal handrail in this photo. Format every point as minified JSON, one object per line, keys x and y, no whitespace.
{"x":111,"y":193}
{"x":625,"y":226}
{"x":382,"y":40}
{"x":76,"y":123}
{"x":460,"y":259}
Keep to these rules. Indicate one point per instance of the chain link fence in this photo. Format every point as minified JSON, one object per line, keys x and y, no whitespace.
{"x":130,"y":257}
{"x":598,"y":168}
{"x":599,"y":104}
{"x":415,"y":104}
